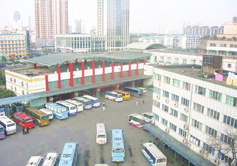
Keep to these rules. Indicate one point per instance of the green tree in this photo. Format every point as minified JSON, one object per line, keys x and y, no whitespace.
{"x":4,"y":93}
{"x":223,"y":38}
{"x":4,"y":59}
{"x":234,"y":38}
{"x":214,"y":37}
{"x":2,"y":79}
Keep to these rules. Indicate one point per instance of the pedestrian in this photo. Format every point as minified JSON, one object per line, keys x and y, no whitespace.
{"x":182,"y":163}
{"x":25,"y":131}
{"x":103,"y":103}
{"x":143,"y":101}
{"x":136,"y":103}
{"x":103,"y":108}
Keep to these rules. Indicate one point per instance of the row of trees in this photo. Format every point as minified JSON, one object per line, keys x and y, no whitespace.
{"x":4,"y":93}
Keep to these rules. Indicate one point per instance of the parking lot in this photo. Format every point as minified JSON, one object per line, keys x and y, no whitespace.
{"x":17,"y":149}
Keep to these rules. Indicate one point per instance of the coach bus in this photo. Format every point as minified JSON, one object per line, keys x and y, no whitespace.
{"x":69,"y":155}
{"x":23,"y":120}
{"x":126,"y":95}
{"x":118,"y":149}
{"x":134,"y":91}
{"x":144,"y":90}
{"x":2,"y":134}
{"x":95,"y":101}
{"x":8,"y":125}
{"x":51,"y":159}
{"x":59,"y":111}
{"x":87,"y":104}
{"x":101,"y":137}
{"x":42,"y":119}
{"x":76,"y":103}
{"x":153,"y":155}
{"x":48,"y":112}
{"x":35,"y":160}
{"x":113,"y":96}
{"x":72,"y":109}
{"x":138,"y":120}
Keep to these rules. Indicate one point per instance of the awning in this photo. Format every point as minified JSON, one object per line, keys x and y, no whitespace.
{"x":180,"y":148}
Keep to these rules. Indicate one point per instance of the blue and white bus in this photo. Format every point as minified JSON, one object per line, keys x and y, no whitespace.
{"x":69,"y":155}
{"x":118,"y":149}
{"x":8,"y":125}
{"x":2,"y":111}
{"x":59,"y":111}
{"x":153,"y":155}
{"x":114,"y":96}
{"x":96,"y":101}
{"x":76,"y":103}
{"x":134,"y":91}
{"x":87,"y":104}
{"x":72,"y":109}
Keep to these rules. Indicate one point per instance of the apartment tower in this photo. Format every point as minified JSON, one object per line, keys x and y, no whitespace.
{"x":51,"y":18}
{"x":113,"y":22}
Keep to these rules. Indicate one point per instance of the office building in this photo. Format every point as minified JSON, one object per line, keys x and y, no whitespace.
{"x":17,"y":16}
{"x":78,"y":26}
{"x":113,"y":22}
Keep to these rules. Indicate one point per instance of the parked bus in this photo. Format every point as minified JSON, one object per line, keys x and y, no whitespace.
{"x":35,"y":161}
{"x":69,"y":155}
{"x":51,"y":159}
{"x":101,"y":137}
{"x":95,"y":101}
{"x":134,"y":91}
{"x":23,"y":120}
{"x":41,"y":118}
{"x":76,"y":103}
{"x":8,"y":125}
{"x":144,"y":90}
{"x":153,"y":155}
{"x":2,"y":134}
{"x":148,"y":115}
{"x":87,"y":104}
{"x":48,"y":112}
{"x":113,"y":96}
{"x":126,"y":95}
{"x":72,"y":109}
{"x":59,"y":111}
{"x":118,"y":149}
{"x":138,"y":120}
{"x":2,"y":111}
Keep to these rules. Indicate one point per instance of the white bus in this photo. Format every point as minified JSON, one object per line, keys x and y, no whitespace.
{"x":72,"y":109}
{"x":114,"y":96}
{"x":76,"y":103}
{"x":35,"y":161}
{"x":144,"y":90}
{"x":149,"y":115}
{"x":8,"y":125}
{"x":87,"y":104}
{"x":138,"y":120}
{"x":153,"y":155}
{"x":101,"y":137}
{"x":96,"y":101}
{"x":48,"y":112}
{"x":51,"y":159}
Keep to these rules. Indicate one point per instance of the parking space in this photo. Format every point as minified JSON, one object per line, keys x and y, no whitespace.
{"x":81,"y":129}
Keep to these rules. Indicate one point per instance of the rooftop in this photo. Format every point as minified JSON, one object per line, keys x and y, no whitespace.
{"x":194,"y":71}
{"x":5,"y":34}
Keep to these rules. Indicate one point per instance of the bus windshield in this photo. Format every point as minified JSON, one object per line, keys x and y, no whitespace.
{"x":119,"y":96}
{"x":73,"y":108}
{"x":30,"y":120}
{"x":97,"y":100}
{"x":64,"y":110}
{"x":44,"y":117}
{"x":119,"y":150}
{"x":10,"y":125}
{"x":101,"y":136}
{"x":1,"y":129}
{"x":161,"y":160}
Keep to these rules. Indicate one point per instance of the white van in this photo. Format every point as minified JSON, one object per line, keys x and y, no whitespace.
{"x":144,"y":90}
{"x":101,"y":137}
{"x":35,"y":161}
{"x":48,"y":112}
{"x":51,"y":159}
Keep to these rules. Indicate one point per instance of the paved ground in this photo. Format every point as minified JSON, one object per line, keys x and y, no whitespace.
{"x":17,"y":149}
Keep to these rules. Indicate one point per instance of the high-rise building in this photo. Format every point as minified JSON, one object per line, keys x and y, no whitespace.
{"x":78,"y":26}
{"x":113,"y":22}
{"x":51,"y":18}
{"x":17,"y":16}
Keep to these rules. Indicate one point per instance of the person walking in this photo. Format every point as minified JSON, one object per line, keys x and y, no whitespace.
{"x":143,"y":101}
{"x":103,"y":103}
{"x":103,"y":108}
{"x":25,"y":131}
{"x":136,"y":103}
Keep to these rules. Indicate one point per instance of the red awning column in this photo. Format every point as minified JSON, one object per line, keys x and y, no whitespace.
{"x":144,"y":62}
{"x":112,"y":74}
{"x":93,"y":71}
{"x":121,"y":67}
{"x":59,"y":77}
{"x":129,"y":69}
{"x":35,"y":66}
{"x":93,"y":91}
{"x":137,"y":68}
{"x":103,"y":68}
{"x":82,"y":73}
{"x":59,"y":97}
{"x":83,"y":92}
{"x":71,"y":95}
{"x":71,"y":74}
{"x":136,"y":83}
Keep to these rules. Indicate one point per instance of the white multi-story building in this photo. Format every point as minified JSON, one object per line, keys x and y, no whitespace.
{"x":193,"y":109}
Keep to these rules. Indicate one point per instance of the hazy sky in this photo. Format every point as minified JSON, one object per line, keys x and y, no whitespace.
{"x":145,"y":15}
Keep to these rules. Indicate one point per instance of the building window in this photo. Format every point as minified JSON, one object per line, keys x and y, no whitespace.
{"x":156,"y":116}
{"x":166,"y":80}
{"x":173,"y":127}
{"x":176,"y":82}
{"x":11,"y":87}
{"x":157,"y":90}
{"x":165,"y":108}
{"x":211,"y":131}
{"x":227,"y":140}
{"x":224,"y":158}
{"x":200,"y":90}
{"x":176,"y":60}
{"x":233,"y":45}
{"x":231,"y":101}
{"x":11,"y":79}
{"x":198,"y":107}
{"x":213,"y":114}
{"x":230,"y":121}
{"x":215,"y":95}
{"x":213,"y":44}
{"x":23,"y":92}
{"x":184,"y":61}
{"x":185,"y":102}
{"x":229,"y":65}
{"x":183,"y":117}
{"x":156,"y":103}
{"x":175,"y":97}
{"x":195,"y":140}
{"x":158,"y":77}
{"x":164,"y":122}
{"x":166,"y":94}
{"x":182,"y":132}
{"x":222,"y":45}
{"x":197,"y":124}
{"x":173,"y":112}
{"x":208,"y":148}
{"x":15,"y":89}
{"x":161,"y":58}
{"x":186,"y":86}
{"x":14,"y":80}
{"x":22,"y":83}
{"x":193,"y":61}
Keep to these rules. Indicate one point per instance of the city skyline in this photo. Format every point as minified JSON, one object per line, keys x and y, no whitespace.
{"x":145,"y":16}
